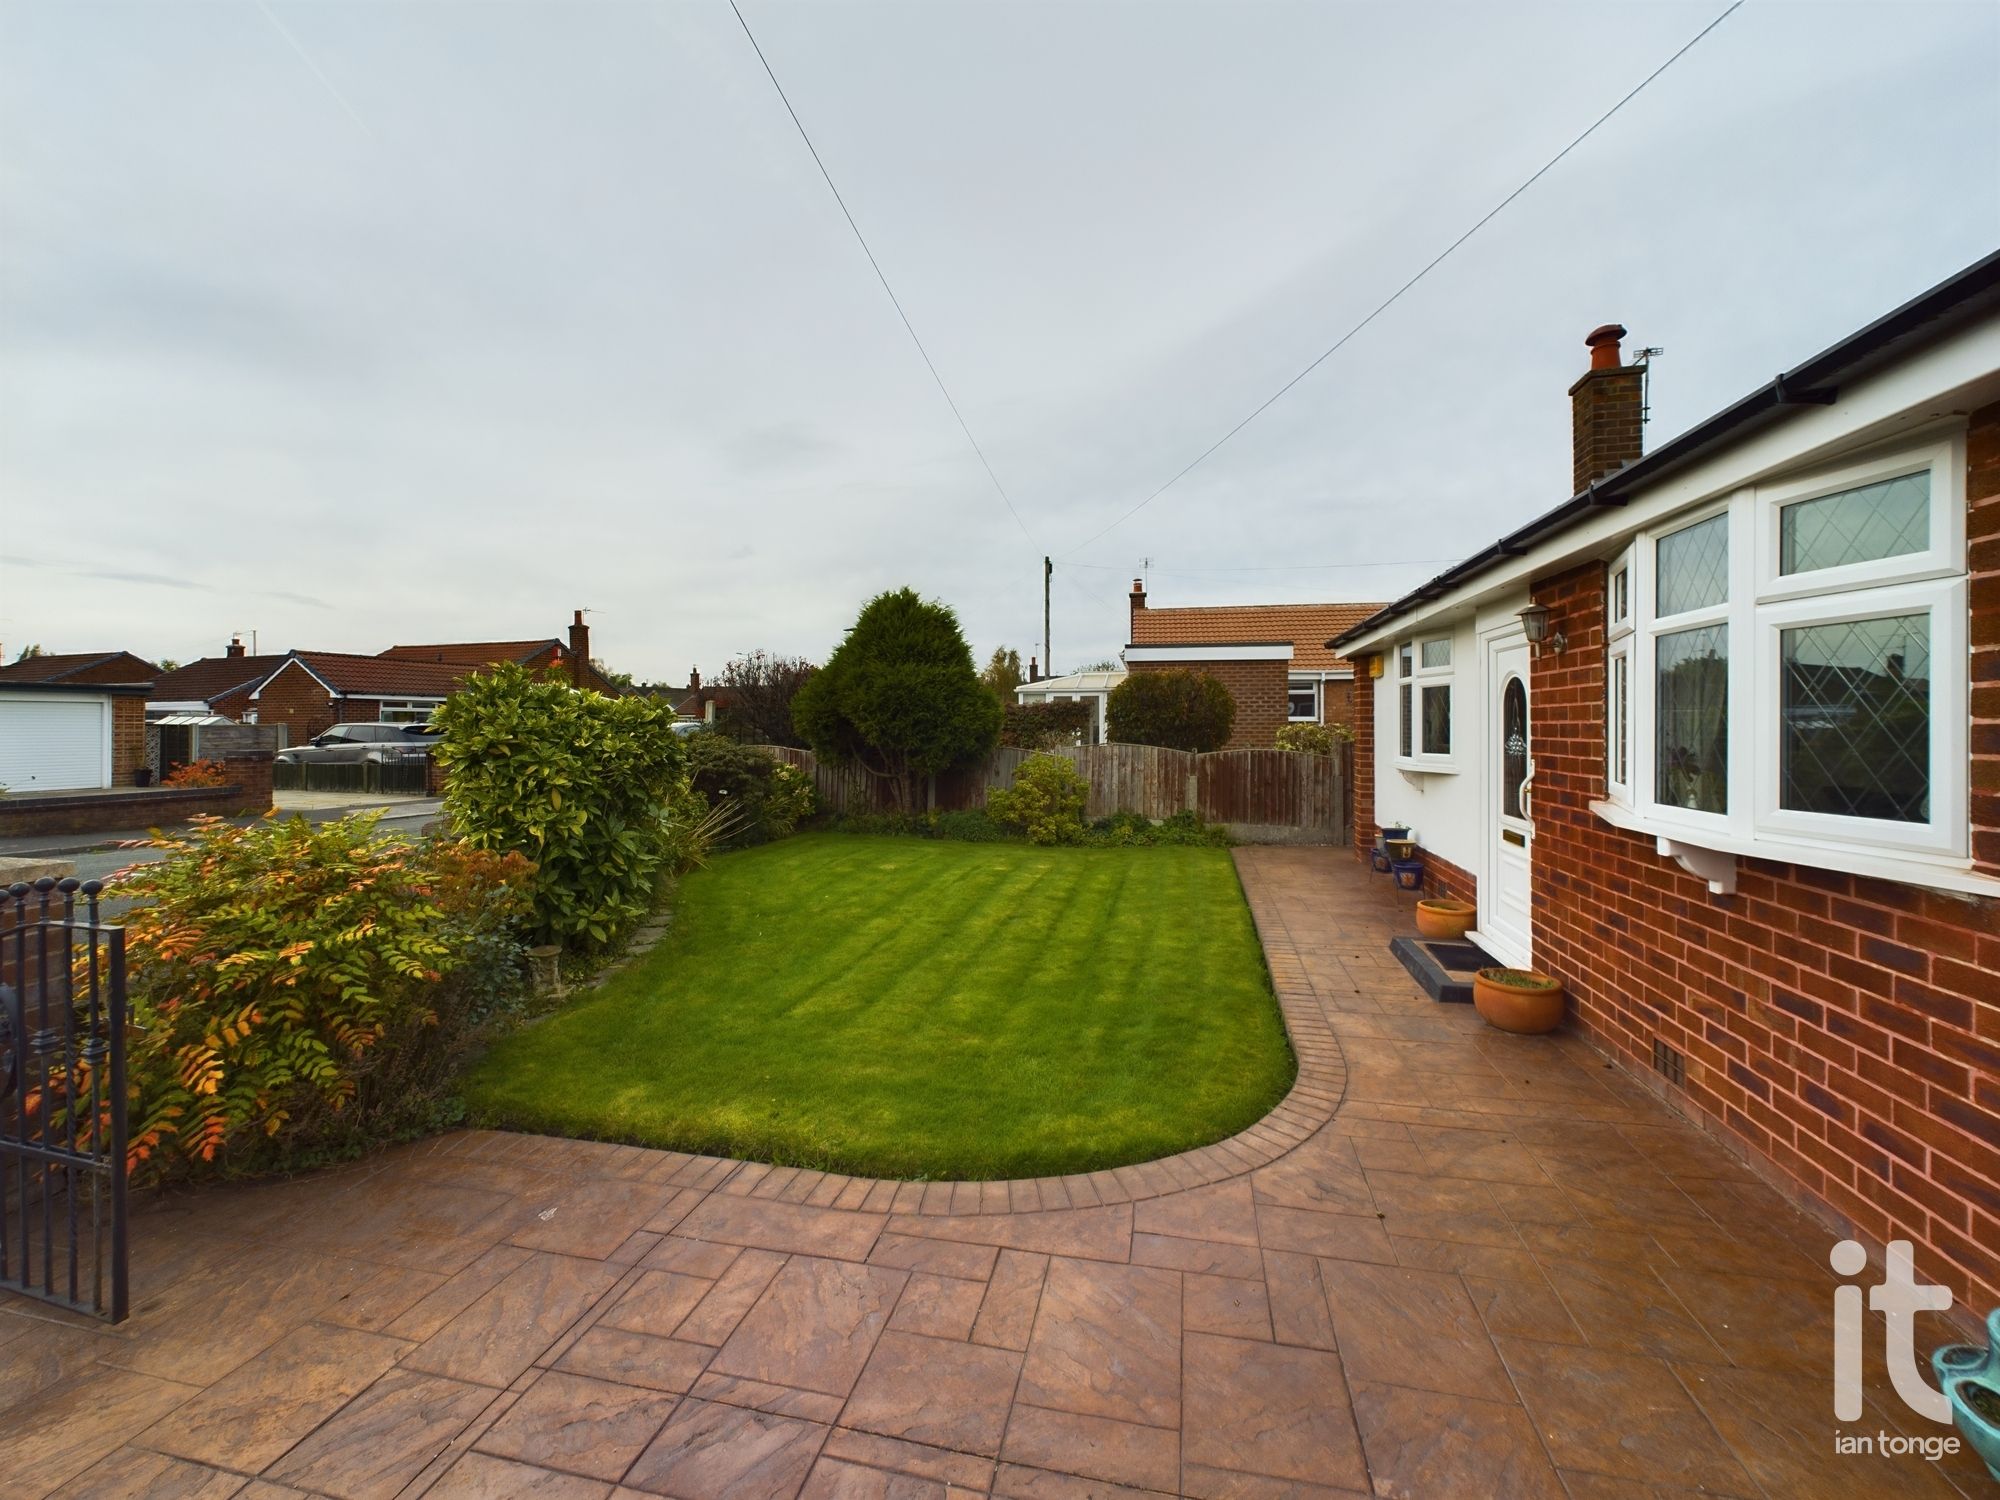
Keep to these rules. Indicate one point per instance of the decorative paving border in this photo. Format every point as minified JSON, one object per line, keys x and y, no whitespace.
{"x":1314,"y":1097}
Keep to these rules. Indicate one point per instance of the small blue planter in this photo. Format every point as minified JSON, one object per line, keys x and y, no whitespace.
{"x":1959,"y":1368}
{"x":1409,"y":874}
{"x":1378,"y":861}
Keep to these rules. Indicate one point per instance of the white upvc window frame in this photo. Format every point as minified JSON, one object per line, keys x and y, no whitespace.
{"x":1621,"y":611}
{"x":406,"y":710}
{"x":1763,"y":603}
{"x":1418,"y":680}
{"x":1299,"y":683}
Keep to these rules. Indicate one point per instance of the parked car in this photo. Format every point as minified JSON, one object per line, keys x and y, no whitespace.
{"x":353,"y":744}
{"x":689,"y":726}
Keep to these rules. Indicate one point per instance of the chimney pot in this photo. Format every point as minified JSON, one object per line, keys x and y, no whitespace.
{"x":1034,"y":670}
{"x":579,"y":651}
{"x":1138,"y":593}
{"x":235,"y":646}
{"x":1602,"y":342}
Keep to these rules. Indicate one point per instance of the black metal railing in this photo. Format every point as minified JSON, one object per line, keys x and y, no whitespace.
{"x":63,"y":1235}
{"x":394,"y":777}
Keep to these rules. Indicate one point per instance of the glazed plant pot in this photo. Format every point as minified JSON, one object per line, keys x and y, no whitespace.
{"x":1409,"y":874}
{"x":1445,"y":920}
{"x":1518,"y":1000}
{"x":1391,"y":832}
{"x":1378,"y":861}
{"x":1971,"y":1381}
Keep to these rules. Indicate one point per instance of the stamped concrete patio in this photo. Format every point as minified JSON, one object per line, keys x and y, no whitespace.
{"x":1455,"y":1263}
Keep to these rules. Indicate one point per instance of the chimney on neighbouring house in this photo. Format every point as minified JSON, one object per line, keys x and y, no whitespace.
{"x":1138,"y":593}
{"x":579,"y":650}
{"x":694,"y":679}
{"x":1034,"y":670}
{"x":1606,"y":411}
{"x":235,"y":646}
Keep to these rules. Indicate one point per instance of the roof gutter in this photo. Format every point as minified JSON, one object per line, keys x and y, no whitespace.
{"x":1813,"y":383}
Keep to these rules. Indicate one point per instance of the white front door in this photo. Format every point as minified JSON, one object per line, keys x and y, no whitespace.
{"x":1506,"y":890}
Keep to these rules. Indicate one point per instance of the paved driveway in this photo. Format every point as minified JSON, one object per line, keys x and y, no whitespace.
{"x":1454,"y":1264}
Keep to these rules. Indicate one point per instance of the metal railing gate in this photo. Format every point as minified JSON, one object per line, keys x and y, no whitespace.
{"x":62,"y":1100}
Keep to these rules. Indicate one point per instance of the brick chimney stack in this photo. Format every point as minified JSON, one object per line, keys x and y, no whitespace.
{"x":235,"y":646}
{"x":1034,"y":670}
{"x":579,"y":651}
{"x":1605,"y":410}
{"x":694,"y":679}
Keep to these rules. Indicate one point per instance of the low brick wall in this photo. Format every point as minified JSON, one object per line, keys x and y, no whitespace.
{"x":43,"y":813}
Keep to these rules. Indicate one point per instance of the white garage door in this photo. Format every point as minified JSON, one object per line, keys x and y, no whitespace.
{"x":51,"y":743}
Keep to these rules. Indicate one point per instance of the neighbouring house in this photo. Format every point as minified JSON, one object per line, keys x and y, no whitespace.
{"x":304,"y":693}
{"x":1716,"y":741}
{"x":1093,"y":688}
{"x":1274,"y":658}
{"x":70,"y":736}
{"x":81,"y":667}
{"x":701,"y":700}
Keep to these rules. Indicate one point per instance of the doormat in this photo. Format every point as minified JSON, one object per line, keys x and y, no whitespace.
{"x":1444,"y":970}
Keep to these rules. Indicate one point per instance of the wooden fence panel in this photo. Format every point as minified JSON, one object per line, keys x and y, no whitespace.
{"x":1251,"y":790}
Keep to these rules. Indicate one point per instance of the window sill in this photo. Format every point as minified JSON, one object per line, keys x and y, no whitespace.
{"x":1697,"y":853}
{"x":1427,"y":767}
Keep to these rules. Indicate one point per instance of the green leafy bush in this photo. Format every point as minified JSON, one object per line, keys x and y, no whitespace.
{"x":1312,"y":739}
{"x":970,"y":828}
{"x":302,"y":991}
{"x":1043,"y":726}
{"x":579,"y":783}
{"x":899,"y":696}
{"x":1046,"y":801}
{"x":770,"y":799}
{"x":1180,"y":708}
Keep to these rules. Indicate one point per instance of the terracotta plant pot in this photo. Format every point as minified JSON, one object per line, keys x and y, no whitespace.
{"x":1445,"y":920}
{"x":1519,"y":1000}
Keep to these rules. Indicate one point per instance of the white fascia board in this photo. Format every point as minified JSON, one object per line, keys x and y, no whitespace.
{"x":176,"y":705}
{"x":1936,"y":386}
{"x":1276,"y":651}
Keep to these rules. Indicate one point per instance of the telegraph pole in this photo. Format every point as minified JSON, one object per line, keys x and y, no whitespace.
{"x":1048,"y":659}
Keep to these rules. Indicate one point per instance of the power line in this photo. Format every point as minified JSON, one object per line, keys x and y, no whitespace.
{"x":894,"y":300}
{"x":1396,"y":295}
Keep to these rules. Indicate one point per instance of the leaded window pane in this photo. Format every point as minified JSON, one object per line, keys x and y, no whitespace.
{"x":1403,"y":660}
{"x":1693,"y":719}
{"x":1890,"y":519}
{"x":1437,"y":653}
{"x":1621,"y":595}
{"x":1513,"y":746}
{"x":1857,"y":725}
{"x":1403,"y":726}
{"x":1694,"y":566}
{"x":1437,"y":720}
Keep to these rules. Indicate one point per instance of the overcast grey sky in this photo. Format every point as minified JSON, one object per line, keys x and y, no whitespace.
{"x":363,"y":323}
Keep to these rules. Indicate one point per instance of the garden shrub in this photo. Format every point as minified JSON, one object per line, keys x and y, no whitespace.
{"x":1046,"y":801}
{"x":197,"y":773}
{"x":579,"y":783}
{"x":899,"y":696}
{"x":770,"y":798}
{"x":300,"y":991}
{"x":1043,"y":726}
{"x":969,"y":828}
{"x":1313,"y":739}
{"x":1180,"y":708}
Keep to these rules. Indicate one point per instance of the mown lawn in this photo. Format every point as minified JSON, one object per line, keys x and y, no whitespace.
{"x":902,"y":1008}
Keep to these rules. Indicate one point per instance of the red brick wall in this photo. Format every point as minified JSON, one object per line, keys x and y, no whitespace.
{"x":1263,"y":705}
{"x":1365,"y":826}
{"x":1443,"y":878}
{"x":294,"y":698}
{"x":1845,"y":1030}
{"x":128,"y":738}
{"x":1336,"y":702}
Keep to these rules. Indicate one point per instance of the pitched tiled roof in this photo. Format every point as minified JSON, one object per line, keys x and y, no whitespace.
{"x":472,"y":653}
{"x":210,"y":678}
{"x":1307,"y":626}
{"x":371,"y":676}
{"x":54,"y":668}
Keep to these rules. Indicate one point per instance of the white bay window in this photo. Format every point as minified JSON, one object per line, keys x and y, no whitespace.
{"x":1786,"y":670}
{"x":1423,"y":704}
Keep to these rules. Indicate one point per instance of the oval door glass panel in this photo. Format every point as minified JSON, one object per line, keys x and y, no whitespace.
{"x":1513,"y":746}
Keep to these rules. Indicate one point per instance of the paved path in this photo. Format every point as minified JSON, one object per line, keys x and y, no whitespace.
{"x":1455,"y":1264}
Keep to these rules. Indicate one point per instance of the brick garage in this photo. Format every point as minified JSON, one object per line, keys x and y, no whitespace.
{"x":1258,"y":688}
{"x":1244,"y":639}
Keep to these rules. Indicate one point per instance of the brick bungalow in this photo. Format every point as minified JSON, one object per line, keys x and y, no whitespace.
{"x":1274,"y":658}
{"x":1717,"y":741}
{"x":307,"y":692}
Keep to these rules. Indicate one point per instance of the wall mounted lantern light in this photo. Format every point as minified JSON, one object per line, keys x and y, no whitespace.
{"x":1535,"y":621}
